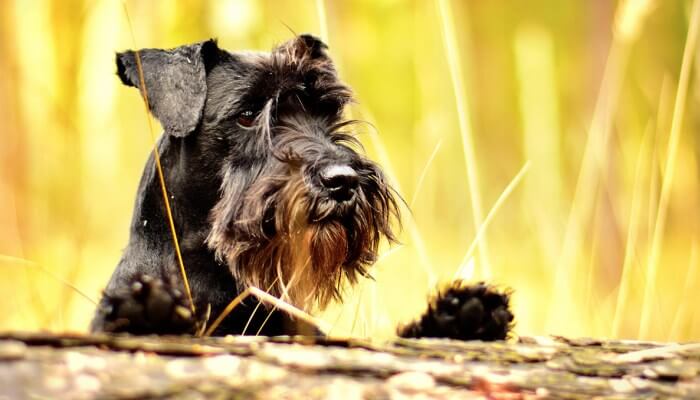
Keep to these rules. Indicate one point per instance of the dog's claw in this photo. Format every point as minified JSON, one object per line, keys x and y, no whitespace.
{"x":465,"y":312}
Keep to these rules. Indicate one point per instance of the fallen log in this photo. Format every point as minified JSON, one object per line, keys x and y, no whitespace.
{"x":66,"y":366}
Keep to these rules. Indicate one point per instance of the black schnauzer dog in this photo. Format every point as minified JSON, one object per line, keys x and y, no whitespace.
{"x":267,"y":189}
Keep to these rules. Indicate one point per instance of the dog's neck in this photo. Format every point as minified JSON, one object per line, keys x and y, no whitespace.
{"x":191,"y":194}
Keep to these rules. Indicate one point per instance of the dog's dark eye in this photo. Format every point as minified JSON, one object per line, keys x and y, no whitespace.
{"x":246,"y":118}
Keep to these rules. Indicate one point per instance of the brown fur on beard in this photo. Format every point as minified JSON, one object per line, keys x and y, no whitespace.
{"x":301,"y":263}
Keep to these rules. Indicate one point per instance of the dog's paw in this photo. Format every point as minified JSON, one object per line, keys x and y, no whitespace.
{"x":465,"y":312}
{"x":148,"y":306}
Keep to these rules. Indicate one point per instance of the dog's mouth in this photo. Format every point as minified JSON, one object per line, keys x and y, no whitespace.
{"x":326,"y":209}
{"x":323,"y":211}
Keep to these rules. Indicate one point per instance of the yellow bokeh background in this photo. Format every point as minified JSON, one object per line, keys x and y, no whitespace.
{"x":547,"y":146}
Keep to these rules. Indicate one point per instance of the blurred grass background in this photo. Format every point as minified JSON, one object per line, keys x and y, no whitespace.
{"x":593,"y":102}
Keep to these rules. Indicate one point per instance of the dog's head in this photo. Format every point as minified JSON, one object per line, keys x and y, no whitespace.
{"x":300,"y":209}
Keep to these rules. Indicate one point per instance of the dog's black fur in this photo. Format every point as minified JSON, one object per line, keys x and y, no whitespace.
{"x":267,"y":188}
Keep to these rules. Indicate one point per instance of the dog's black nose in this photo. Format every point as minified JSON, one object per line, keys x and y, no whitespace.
{"x":340,"y":181}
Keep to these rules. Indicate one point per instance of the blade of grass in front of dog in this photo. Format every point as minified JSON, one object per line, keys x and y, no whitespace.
{"x":489,"y":217}
{"x":449,"y":37}
{"x":267,"y":318}
{"x":288,"y":308}
{"x":269,"y":299}
{"x":159,"y":168}
{"x":669,"y":171}
{"x":632,"y":231}
{"x":250,"y":319}
{"x":257,"y":307}
{"x":22,"y":261}
{"x":236,"y":301}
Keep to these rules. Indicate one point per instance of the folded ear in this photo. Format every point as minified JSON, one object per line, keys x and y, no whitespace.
{"x":314,"y":46}
{"x":174,"y":82}
{"x":305,"y":46}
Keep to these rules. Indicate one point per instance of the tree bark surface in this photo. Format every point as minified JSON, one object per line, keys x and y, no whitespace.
{"x":50,"y":366}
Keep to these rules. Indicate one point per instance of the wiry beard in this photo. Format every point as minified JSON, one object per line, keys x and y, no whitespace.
{"x":294,"y":244}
